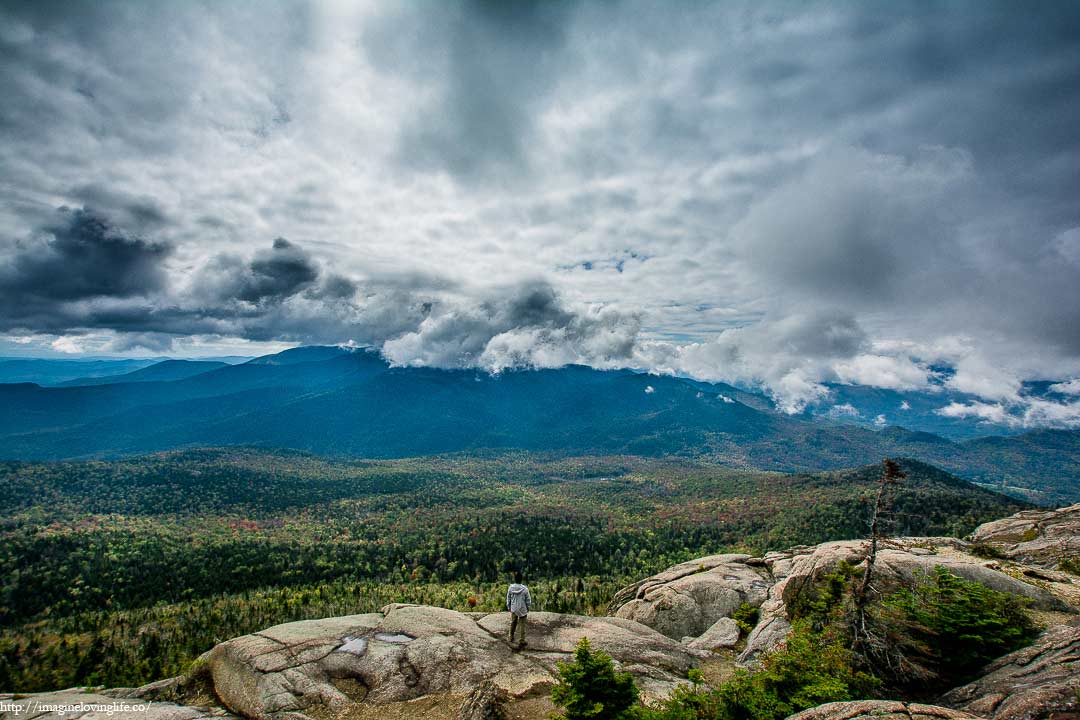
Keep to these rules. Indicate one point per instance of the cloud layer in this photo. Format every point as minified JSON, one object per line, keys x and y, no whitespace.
{"x":782,"y":194}
{"x":82,"y":274}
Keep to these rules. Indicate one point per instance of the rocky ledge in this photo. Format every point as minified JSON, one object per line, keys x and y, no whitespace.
{"x":880,"y":710}
{"x":330,"y":667}
{"x":662,"y":626}
{"x":1030,"y":683}
{"x":691,"y":599}
{"x":1036,"y":537}
{"x":409,"y":651}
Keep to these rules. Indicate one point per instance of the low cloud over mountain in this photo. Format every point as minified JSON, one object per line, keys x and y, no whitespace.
{"x":82,"y":274}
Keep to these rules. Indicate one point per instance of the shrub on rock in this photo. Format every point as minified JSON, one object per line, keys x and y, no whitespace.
{"x":591,"y":688}
{"x":941,"y":630}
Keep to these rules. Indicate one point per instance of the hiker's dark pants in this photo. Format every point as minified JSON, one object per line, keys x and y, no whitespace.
{"x":517,"y":623}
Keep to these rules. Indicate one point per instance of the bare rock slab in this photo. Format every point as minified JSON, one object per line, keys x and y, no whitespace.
{"x":880,"y":710}
{"x":1037,"y":537}
{"x":1040,"y":681}
{"x":297,"y":670}
{"x":687,"y":599}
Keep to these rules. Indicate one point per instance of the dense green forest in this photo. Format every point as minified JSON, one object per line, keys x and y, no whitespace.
{"x":121,"y":572}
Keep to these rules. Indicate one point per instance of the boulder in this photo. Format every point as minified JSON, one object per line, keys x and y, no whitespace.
{"x":688,"y":599}
{"x":1036,"y":537}
{"x":724,"y":633}
{"x":310,"y":667}
{"x":880,"y":710}
{"x":1039,"y":681}
{"x":772,"y":627}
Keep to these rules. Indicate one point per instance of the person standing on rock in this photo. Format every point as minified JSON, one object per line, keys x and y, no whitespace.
{"x":518,"y":602}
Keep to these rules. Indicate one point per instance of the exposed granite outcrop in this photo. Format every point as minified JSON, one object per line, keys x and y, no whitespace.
{"x":687,"y":599}
{"x":1035,"y":537}
{"x":1034,"y":683}
{"x":690,"y":598}
{"x":880,"y":710}
{"x":408,"y":651}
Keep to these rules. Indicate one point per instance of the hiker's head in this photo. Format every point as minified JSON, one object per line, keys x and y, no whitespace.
{"x":518,"y":577}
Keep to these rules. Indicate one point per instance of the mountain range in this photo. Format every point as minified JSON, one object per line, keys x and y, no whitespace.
{"x":350,"y":403}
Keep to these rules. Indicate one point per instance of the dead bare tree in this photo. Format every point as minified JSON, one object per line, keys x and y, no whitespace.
{"x":891,"y":474}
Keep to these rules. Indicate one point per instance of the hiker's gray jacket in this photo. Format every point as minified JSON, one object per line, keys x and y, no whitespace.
{"x":518,"y":600}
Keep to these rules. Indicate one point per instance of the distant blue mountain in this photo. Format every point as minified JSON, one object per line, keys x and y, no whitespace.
{"x":50,"y":372}
{"x":915,"y":410}
{"x":163,"y":371}
{"x":351,"y":403}
{"x":309,"y":353}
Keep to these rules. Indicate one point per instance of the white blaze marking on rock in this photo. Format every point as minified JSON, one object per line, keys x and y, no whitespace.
{"x":354,"y":645}
{"x":397,"y":639}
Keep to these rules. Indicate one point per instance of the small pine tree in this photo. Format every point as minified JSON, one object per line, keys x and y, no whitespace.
{"x":943,"y":629}
{"x":591,"y":689}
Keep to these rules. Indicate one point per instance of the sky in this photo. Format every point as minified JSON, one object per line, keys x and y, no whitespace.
{"x":767,"y":193}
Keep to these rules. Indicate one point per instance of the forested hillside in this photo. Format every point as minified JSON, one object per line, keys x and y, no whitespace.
{"x":118,"y":572}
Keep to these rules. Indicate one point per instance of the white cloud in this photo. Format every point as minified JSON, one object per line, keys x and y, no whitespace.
{"x":789,"y":357}
{"x":649,"y":389}
{"x":1025,"y":413}
{"x":883,"y":371}
{"x":524,"y":326}
{"x":68,"y":344}
{"x":1042,"y":413}
{"x":988,"y":412}
{"x":977,"y":376}
{"x":846,"y":410}
{"x":1071,"y":387}
{"x":880,"y":421}
{"x":905,"y":405}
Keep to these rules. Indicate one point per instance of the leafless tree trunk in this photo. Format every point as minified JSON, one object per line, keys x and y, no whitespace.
{"x":891,"y":474}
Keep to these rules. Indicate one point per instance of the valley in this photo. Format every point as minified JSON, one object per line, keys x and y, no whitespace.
{"x":122,"y":571}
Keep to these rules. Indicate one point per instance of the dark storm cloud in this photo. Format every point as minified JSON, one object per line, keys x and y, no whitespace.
{"x":82,"y":255}
{"x":82,"y":274}
{"x":526,"y":325}
{"x":82,"y":271}
{"x":271,"y":276}
{"x":337,"y":286}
